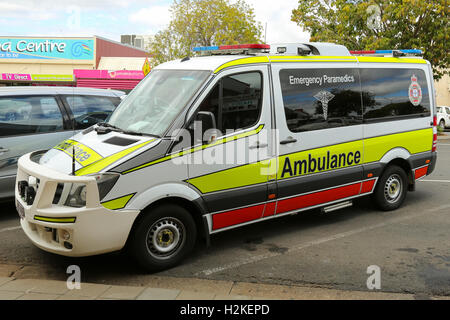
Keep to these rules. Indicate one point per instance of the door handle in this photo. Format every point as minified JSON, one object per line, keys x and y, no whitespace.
{"x":288,"y":140}
{"x":258,"y":145}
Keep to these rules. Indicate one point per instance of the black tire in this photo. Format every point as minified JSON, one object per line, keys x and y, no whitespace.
{"x":442,"y":124}
{"x":166,"y":227}
{"x":391,"y":188}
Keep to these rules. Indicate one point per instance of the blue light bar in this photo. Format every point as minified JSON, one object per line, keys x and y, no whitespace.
{"x":212,"y":48}
{"x":410,"y":51}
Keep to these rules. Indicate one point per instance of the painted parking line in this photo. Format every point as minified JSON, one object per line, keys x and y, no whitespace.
{"x":10,"y":229}
{"x":257,"y":258}
{"x":444,"y":181}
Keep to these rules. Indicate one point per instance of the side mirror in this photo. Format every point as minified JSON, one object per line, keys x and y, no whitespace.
{"x":207,"y":121}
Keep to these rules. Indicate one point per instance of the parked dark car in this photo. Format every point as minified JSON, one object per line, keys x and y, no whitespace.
{"x":33,"y":118}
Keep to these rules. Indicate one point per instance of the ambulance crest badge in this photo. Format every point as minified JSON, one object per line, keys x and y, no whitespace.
{"x":415,"y":91}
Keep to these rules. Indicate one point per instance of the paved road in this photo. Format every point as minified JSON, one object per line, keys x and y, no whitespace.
{"x":410,"y":245}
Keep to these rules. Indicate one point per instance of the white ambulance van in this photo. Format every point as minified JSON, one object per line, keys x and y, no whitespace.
{"x":237,"y":135}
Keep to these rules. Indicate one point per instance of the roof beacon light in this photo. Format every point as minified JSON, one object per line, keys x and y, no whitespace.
{"x":232,"y":49}
{"x":384,"y":53}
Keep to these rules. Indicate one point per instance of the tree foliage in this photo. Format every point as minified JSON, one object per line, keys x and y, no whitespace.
{"x":204,"y":23}
{"x":402,"y":24}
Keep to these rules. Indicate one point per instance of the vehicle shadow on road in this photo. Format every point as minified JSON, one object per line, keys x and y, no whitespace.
{"x":108,"y":268}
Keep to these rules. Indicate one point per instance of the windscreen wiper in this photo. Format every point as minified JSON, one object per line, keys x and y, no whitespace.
{"x":107,"y":125}
{"x":104,"y":127}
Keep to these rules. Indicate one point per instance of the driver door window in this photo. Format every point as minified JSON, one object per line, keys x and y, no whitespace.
{"x":235,"y":101}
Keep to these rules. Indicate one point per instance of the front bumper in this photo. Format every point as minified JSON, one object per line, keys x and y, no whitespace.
{"x":92,"y":229}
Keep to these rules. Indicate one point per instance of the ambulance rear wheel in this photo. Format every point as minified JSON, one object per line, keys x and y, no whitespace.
{"x":163,"y":237}
{"x":391,"y":188}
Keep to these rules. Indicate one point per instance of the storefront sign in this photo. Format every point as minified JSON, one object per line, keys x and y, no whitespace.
{"x":37,"y":77}
{"x":52,"y":48}
{"x":105,"y":74}
{"x":16,"y":77}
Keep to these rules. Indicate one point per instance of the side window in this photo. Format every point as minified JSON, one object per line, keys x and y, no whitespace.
{"x":28,"y":115}
{"x":448,"y":110}
{"x":317,"y":99}
{"x":439,"y":110}
{"x":394,"y":93}
{"x":235,"y":101}
{"x":88,"y":110}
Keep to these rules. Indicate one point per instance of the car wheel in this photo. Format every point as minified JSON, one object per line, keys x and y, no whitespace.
{"x":11,"y":116}
{"x":391,"y":188}
{"x":163,"y":237}
{"x":442,"y":124}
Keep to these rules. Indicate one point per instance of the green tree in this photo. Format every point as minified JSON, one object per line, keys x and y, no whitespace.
{"x":204,"y":23}
{"x":402,"y":24}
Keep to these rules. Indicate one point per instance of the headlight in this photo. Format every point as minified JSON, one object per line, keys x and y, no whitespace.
{"x":77,"y":194}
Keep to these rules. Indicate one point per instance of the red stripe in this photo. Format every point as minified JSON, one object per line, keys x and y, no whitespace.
{"x":313,"y":199}
{"x":367,"y":186}
{"x":421,"y":172}
{"x":245,"y":46}
{"x":238,"y":216}
{"x":270,"y":209}
{"x":363,"y":52}
{"x":230,"y":218}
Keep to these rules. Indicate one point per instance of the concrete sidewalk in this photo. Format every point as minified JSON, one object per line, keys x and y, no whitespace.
{"x":166,"y":288}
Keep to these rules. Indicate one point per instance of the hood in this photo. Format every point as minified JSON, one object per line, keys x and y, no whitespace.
{"x":95,"y":152}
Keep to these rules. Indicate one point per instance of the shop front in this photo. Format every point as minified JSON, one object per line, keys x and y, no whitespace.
{"x":124,"y":80}
{"x":21,"y":79}
{"x":51,"y":61}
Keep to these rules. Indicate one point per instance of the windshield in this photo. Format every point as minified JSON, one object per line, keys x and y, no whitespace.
{"x":153,"y":105}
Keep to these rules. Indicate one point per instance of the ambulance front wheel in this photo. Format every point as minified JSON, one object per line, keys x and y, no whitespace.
{"x":164,"y":237}
{"x":391,"y":188}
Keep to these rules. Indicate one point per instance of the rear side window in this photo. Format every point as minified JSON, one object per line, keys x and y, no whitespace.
{"x":392,"y":94}
{"x":235,"y":101}
{"x":88,"y":110}
{"x":317,"y":99}
{"x":27,"y":115}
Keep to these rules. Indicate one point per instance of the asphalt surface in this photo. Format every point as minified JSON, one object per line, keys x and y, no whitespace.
{"x":410,"y":245}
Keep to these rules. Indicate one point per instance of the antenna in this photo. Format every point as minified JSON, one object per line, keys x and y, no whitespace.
{"x":265,"y":34}
{"x":73,"y":150}
{"x":73,"y":160}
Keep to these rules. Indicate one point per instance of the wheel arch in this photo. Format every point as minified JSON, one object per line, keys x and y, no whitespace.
{"x":175,"y":193}
{"x":402,"y":158}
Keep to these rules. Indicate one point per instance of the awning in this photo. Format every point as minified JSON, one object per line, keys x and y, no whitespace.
{"x":107,"y":84}
{"x":121,"y":63}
